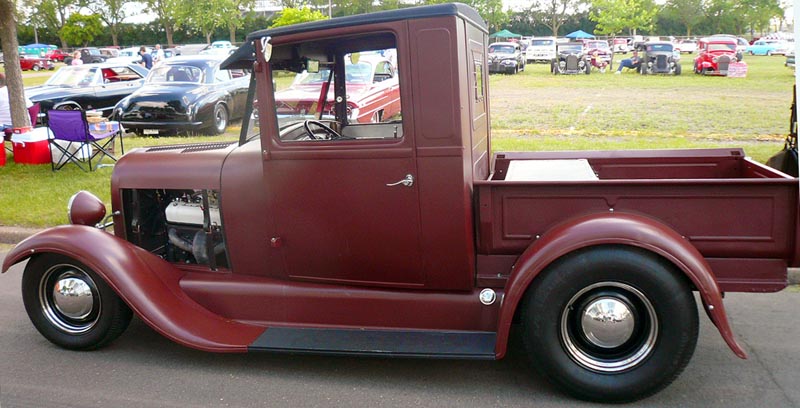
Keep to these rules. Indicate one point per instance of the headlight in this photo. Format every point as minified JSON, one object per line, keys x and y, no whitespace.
{"x":85,"y":208}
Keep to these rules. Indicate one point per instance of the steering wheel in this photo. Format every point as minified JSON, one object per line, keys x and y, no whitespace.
{"x":332,"y":133}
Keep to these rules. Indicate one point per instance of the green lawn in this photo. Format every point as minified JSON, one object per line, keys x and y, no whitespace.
{"x":530,"y":111}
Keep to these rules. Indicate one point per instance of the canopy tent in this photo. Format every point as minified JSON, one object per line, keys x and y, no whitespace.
{"x":505,"y":34}
{"x":579,"y":34}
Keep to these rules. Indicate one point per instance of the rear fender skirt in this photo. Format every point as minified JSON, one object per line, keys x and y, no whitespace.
{"x":147,"y":283}
{"x":614,"y":229}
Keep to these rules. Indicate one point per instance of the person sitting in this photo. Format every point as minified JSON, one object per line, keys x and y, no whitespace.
{"x":633,"y":62}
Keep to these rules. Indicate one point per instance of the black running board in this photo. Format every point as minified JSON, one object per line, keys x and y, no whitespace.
{"x":384,"y":343}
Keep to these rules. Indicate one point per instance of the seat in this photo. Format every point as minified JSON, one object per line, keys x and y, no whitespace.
{"x":78,"y":141}
{"x":181,"y":76}
{"x":33,"y":111}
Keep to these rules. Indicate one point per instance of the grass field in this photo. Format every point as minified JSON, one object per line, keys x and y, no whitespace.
{"x":530,"y":111}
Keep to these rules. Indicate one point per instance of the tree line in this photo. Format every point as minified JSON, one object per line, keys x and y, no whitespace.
{"x":72,"y":23}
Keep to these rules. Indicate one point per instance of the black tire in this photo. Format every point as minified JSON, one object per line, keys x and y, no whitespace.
{"x":641,"y":355}
{"x":71,"y":325}
{"x":678,"y":69}
{"x":220,"y":119}
{"x":36,"y":68}
{"x":769,"y":53}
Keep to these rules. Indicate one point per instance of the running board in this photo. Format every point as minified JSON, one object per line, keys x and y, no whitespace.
{"x":384,"y":343}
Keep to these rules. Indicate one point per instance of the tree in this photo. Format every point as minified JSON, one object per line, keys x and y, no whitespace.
{"x":688,"y":12}
{"x":112,"y":13}
{"x":289,"y":16}
{"x":555,"y":13}
{"x":169,"y":13}
{"x":614,"y":16}
{"x":232,"y":15}
{"x":491,"y":11}
{"x":81,"y":29}
{"x":8,"y":39}
{"x":53,"y":15}
{"x":206,"y":15}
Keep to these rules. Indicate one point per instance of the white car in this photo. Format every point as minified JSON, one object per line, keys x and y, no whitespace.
{"x":687,"y":46}
{"x":541,"y":49}
{"x":128,"y":56}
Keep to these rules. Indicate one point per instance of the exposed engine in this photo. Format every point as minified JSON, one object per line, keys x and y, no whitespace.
{"x":179,"y":225}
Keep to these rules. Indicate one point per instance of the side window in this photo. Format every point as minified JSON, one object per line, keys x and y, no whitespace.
{"x":478,"y":81}
{"x":373,"y":89}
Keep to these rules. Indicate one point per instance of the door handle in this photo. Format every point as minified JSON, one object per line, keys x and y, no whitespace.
{"x":408,"y":182}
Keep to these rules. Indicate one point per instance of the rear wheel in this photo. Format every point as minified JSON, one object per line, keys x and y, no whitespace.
{"x":610,"y":323}
{"x":70,"y":305}
{"x":220,"y":119}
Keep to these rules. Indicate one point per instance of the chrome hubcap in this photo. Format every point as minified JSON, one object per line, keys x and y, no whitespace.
{"x":69,"y":299}
{"x":607,"y":322}
{"x":609,"y":327}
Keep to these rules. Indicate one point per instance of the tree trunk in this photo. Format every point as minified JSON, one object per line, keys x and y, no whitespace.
{"x":208,"y":38}
{"x":15,"y":88}
{"x":168,"y":30}
{"x":232,"y":29}
{"x":63,"y":41}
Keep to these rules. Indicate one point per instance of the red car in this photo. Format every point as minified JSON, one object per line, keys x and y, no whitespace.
{"x":30,"y":62}
{"x":57,"y":55}
{"x":715,"y":56}
{"x":373,"y":92}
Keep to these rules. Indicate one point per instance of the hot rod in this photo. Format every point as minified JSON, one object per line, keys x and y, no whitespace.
{"x":408,"y":238}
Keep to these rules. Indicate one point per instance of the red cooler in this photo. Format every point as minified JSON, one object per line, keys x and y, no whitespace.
{"x":31,"y":147}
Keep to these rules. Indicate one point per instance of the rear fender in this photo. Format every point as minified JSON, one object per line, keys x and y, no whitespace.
{"x":148,"y":284}
{"x":614,"y":229}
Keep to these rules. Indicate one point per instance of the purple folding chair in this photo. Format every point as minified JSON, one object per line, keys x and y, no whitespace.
{"x":84,"y":141}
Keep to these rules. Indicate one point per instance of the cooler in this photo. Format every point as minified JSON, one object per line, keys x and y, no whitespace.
{"x":31,"y":147}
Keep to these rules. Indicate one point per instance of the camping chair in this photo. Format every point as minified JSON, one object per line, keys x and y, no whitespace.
{"x":77,"y":140}
{"x":33,"y":111}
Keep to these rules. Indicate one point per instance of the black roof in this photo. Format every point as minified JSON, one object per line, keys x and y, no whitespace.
{"x":245,"y":55}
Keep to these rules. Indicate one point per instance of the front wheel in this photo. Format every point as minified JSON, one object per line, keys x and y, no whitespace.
{"x":70,"y":305}
{"x":610,"y":323}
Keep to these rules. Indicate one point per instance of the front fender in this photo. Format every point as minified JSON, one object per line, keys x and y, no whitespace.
{"x":614,"y":229}
{"x":148,"y":284}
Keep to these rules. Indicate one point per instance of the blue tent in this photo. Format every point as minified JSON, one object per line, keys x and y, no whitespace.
{"x":579,"y":34}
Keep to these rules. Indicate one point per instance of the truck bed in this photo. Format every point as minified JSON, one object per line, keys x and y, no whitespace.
{"x":739,"y":214}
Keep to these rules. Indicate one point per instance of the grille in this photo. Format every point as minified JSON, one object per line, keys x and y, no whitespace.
{"x":722,"y":64}
{"x":661,"y":62}
{"x":572,"y":63}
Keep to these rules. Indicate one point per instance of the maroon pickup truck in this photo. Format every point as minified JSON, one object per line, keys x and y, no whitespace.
{"x":406,"y":237}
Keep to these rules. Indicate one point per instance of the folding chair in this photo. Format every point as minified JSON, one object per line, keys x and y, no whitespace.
{"x":80,"y":140}
{"x":33,"y":110}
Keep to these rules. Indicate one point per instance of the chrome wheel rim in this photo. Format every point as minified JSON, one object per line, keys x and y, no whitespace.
{"x":69,"y":299}
{"x":609,"y":327}
{"x":220,"y":119}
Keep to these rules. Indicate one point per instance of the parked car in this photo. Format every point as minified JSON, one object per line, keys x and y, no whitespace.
{"x":219,"y":48}
{"x":541,"y":49}
{"x":571,"y":59}
{"x":599,"y":50}
{"x":128,"y":55}
{"x":621,"y":45}
{"x":686,"y":46}
{"x":660,"y":58}
{"x":89,"y":55}
{"x":715,"y":54}
{"x":790,"y":59}
{"x":768,"y":47}
{"x":506,"y":57}
{"x":109,"y":52}
{"x":373,"y":93}
{"x":35,"y":62}
{"x":94,"y":86}
{"x":185,"y":94}
{"x":57,"y":55}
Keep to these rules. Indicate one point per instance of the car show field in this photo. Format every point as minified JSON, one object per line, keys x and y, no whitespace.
{"x":533,"y":110}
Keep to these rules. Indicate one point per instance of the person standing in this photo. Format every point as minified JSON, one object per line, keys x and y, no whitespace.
{"x":5,"y":106}
{"x":147,"y":59}
{"x":76,"y":58}
{"x":158,"y":55}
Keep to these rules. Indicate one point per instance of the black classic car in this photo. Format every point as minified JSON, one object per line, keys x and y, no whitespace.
{"x":506,"y":57}
{"x":660,"y":57}
{"x":185,"y":94}
{"x":96,"y":86}
{"x":571,"y":58}
{"x":89,"y":55}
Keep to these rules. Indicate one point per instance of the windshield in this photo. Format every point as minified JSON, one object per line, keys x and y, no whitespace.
{"x":501,"y":49}
{"x":542,"y":42}
{"x":73,"y":76}
{"x":175,"y":73}
{"x":570,"y":48}
{"x":597,"y":44}
{"x":659,"y":47}
{"x":722,"y":47}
